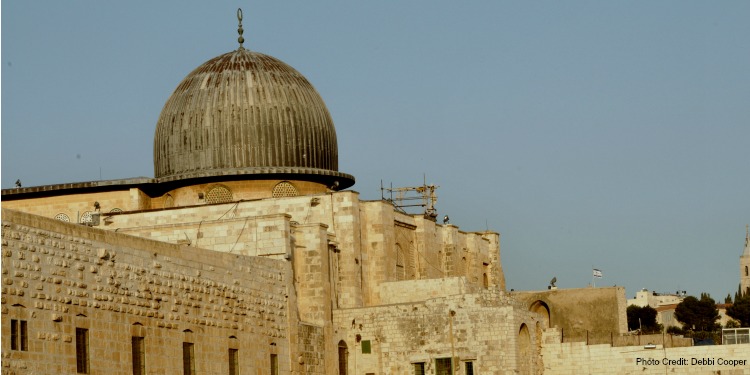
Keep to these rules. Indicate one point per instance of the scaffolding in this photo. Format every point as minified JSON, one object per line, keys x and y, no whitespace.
{"x":412,"y":196}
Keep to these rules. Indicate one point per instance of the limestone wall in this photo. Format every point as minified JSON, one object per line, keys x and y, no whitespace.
{"x":58,"y":277}
{"x":483,"y":329}
{"x":76,"y":206}
{"x":583,"y":311}
{"x":578,"y":358}
{"x":420,"y":290}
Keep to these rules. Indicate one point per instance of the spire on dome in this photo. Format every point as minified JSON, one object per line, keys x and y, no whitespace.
{"x":241,"y":39}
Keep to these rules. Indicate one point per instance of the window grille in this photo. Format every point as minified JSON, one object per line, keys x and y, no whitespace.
{"x":219,"y":194}
{"x":19,"y":339}
{"x":443,"y":366}
{"x":86,"y":218}
{"x":62,"y":217}
{"x":284,"y":189}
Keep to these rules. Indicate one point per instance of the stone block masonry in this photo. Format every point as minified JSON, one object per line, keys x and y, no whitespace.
{"x":480,"y":328}
{"x":578,"y":358}
{"x":84,"y":293}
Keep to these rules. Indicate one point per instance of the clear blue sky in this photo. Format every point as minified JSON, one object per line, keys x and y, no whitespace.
{"x":588,"y":133}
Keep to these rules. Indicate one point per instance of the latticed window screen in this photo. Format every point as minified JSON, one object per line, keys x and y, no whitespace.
{"x":419,"y":368}
{"x":86,"y":217}
{"x":62,"y":217}
{"x":115,"y":210}
{"x":284,"y":189}
{"x":219,"y":194}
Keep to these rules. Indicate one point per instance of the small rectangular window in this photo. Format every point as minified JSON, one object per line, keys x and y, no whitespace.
{"x":419,"y":368}
{"x":233,"y":362}
{"x":18,"y":335}
{"x":274,"y":364}
{"x":139,"y":356}
{"x":13,"y":334}
{"x":366,"y":349}
{"x":443,"y":366}
{"x":469,"y":366}
{"x":24,"y":337}
{"x":188,"y":359}
{"x":82,"y":350}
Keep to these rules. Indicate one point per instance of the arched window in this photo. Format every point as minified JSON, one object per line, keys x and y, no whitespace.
{"x":219,"y":194}
{"x":62,"y":217}
{"x":86,"y":218}
{"x":284,"y":189}
{"x":746,"y":274}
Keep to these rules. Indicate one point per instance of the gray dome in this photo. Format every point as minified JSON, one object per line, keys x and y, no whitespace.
{"x":246,"y":113}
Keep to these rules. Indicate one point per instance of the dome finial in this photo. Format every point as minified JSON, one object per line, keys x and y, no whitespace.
{"x":239,"y":28}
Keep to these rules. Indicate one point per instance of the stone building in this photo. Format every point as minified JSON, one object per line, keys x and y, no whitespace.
{"x":246,"y":254}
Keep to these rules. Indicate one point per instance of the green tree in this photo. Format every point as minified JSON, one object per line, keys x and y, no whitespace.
{"x":728,"y":298}
{"x":740,"y":311}
{"x":698,"y":314}
{"x":643,"y":318}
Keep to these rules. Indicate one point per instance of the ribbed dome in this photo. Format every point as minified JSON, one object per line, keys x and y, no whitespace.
{"x":246,"y":113}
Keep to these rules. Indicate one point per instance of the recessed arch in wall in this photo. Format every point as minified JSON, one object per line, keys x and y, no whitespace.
{"x":524,"y":350}
{"x":541,"y":308}
{"x":168,"y":201}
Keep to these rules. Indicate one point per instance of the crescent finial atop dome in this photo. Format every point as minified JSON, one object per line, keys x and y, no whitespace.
{"x":240,"y":39}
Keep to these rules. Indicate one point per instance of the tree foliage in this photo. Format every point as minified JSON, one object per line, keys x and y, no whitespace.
{"x":698,"y":314}
{"x":643,"y":318}
{"x":740,"y":311}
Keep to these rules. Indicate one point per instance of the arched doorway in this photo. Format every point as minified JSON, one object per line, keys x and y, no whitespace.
{"x":343,"y":358}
